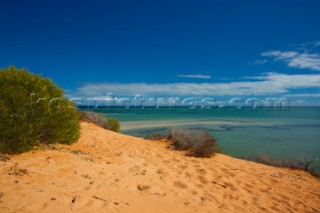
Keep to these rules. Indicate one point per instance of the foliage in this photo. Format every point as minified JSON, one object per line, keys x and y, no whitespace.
{"x":304,"y":163}
{"x":96,"y":118}
{"x":264,"y":159}
{"x":101,"y":120}
{"x":198,"y":143}
{"x":114,"y":124}
{"x":33,"y":110}
{"x":157,"y":136}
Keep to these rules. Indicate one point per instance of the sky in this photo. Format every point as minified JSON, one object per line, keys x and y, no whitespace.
{"x":168,"y":48}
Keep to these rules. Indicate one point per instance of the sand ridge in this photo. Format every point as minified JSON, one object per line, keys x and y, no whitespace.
{"x":110,"y":172}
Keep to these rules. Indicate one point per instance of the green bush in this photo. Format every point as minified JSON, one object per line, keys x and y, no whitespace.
{"x":198,"y":143}
{"x":114,"y":124}
{"x":33,"y":110}
{"x":101,"y":120}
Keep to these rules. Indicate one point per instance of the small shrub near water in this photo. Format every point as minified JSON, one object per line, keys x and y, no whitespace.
{"x":114,"y":124}
{"x":264,"y":159}
{"x":33,"y":110}
{"x":96,"y":118}
{"x":157,"y":136}
{"x":304,"y":163}
{"x":198,"y":143}
{"x":101,"y":120}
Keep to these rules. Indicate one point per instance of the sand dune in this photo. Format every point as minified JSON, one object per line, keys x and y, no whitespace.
{"x":110,"y":172}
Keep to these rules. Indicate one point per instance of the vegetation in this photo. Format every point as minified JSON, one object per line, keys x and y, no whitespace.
{"x":33,"y":110}
{"x":157,"y":136}
{"x":304,"y":163}
{"x":96,"y":118}
{"x":114,"y":124}
{"x":101,"y":120}
{"x":198,"y":143}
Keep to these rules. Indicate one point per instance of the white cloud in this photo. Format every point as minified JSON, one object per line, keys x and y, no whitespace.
{"x":259,"y":61}
{"x":308,"y":44}
{"x":306,"y":61}
{"x":305,"y":103}
{"x":303,"y":95}
{"x":224,"y":79}
{"x":279,"y":55}
{"x":312,"y":43}
{"x":195,"y":76}
{"x":267,"y":84}
{"x":296,"y":59}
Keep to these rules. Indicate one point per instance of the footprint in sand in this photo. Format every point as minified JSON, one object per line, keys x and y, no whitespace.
{"x":142,"y":187}
{"x":180,"y":184}
{"x":158,"y":155}
{"x":188,"y":175}
{"x":194,"y":192}
{"x":202,"y":179}
{"x":94,"y":202}
{"x":201,"y":171}
{"x":183,"y":167}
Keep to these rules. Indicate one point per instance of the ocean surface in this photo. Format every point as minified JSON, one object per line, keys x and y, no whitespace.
{"x":290,"y":133}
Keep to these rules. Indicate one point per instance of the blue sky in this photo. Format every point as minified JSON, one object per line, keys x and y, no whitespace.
{"x":168,"y":48}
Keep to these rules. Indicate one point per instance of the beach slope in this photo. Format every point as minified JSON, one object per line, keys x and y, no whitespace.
{"x":110,"y":172}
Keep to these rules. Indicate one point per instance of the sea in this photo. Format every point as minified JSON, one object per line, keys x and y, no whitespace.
{"x":280,"y":133}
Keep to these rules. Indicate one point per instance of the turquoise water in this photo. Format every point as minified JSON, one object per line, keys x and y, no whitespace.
{"x":281,"y":134}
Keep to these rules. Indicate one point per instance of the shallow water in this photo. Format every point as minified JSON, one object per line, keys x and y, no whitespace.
{"x":292,"y":133}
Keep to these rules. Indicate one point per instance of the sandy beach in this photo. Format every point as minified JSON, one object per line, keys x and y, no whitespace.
{"x":110,"y":172}
{"x":129,"y":125}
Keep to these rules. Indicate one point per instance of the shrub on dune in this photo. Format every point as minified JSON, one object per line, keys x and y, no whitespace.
{"x":157,"y":136}
{"x":96,"y":118}
{"x":198,"y":143}
{"x":101,"y":120}
{"x":114,"y":124}
{"x":264,"y":159}
{"x":33,"y":110}
{"x":304,"y":163}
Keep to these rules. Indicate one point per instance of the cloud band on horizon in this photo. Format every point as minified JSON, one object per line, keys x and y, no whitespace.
{"x":267,"y":84}
{"x":200,"y":76}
